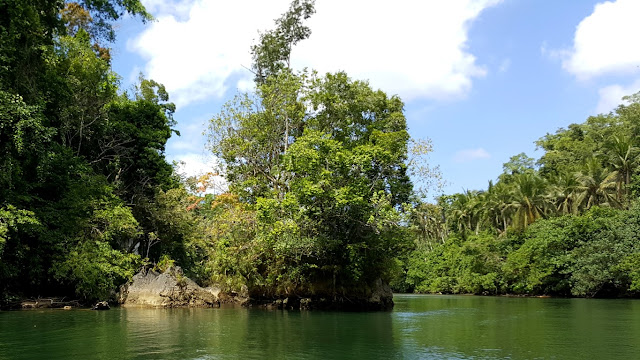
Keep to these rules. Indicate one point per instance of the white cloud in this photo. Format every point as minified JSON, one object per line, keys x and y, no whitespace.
{"x":417,"y":49}
{"x":191,"y":138}
{"x":605,"y":41}
{"x":179,"y":8}
{"x":194,"y":164}
{"x":470,"y":155}
{"x":611,"y":96}
{"x":246,"y":85}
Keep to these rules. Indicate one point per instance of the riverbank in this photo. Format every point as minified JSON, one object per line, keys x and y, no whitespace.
{"x":44,"y":303}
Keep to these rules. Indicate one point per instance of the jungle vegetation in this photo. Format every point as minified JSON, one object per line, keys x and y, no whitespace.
{"x":565,"y":224}
{"x":324,"y":182}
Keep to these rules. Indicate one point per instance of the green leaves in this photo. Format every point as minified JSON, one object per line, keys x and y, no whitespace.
{"x":588,"y":255}
{"x":470,"y":266}
{"x":13,"y":222}
{"x":97,"y":269}
{"x":71,"y":150}
{"x":272,"y":54}
{"x":25,"y":143}
{"x":324,"y":160}
{"x":567,"y":226}
{"x":630,"y":268}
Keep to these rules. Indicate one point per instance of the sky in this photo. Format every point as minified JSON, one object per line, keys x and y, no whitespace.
{"x":483,"y":79}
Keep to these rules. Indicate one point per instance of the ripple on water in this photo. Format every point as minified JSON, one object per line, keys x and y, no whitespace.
{"x":420,"y":328}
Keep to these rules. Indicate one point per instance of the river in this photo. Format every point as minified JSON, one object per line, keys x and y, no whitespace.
{"x":420,"y":327}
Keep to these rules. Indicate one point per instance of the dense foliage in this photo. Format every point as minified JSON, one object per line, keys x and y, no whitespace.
{"x":320,"y":172}
{"x":317,"y":168}
{"x":80,"y":161}
{"x":566,"y":224}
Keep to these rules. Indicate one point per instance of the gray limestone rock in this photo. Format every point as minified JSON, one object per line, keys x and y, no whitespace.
{"x":168,"y":289}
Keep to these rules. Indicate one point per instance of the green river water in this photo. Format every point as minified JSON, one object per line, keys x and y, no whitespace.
{"x":420,"y":327}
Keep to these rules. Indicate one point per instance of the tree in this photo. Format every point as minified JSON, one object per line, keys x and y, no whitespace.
{"x":428,"y":225}
{"x":517,"y":164}
{"x":530,"y":201}
{"x":88,"y":87}
{"x":272,"y":54}
{"x":567,"y":149}
{"x":73,"y":152}
{"x":496,"y":206}
{"x":13,"y":222}
{"x":465,"y":211}
{"x":563,"y":189}
{"x":570,"y":238}
{"x":29,"y":31}
{"x":345,"y":174}
{"x":132,"y":151}
{"x":251,"y":133}
{"x":624,"y":160}
{"x":597,"y":186}
{"x":323,"y":161}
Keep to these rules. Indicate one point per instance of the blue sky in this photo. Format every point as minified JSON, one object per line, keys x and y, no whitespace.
{"x":483,"y":79}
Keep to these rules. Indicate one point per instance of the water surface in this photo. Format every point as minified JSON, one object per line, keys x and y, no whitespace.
{"x":420,"y":327}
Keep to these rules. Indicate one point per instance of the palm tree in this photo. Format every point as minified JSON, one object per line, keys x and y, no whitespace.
{"x":624,"y":159}
{"x":563,"y":192}
{"x":530,"y":201}
{"x":464,"y":211}
{"x":597,"y":186}
{"x":495,"y":206}
{"x":429,"y":224}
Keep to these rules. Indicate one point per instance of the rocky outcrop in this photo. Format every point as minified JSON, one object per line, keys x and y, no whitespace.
{"x":236,"y":297}
{"x":168,"y":289}
{"x":172,"y":289}
{"x":377,"y":298}
{"x":381,"y":296}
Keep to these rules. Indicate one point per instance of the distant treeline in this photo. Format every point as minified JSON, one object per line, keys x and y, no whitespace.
{"x":566,"y":224}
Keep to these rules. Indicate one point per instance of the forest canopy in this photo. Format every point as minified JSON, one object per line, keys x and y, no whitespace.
{"x":80,"y":160}
{"x":565,"y":224}
{"x":318,"y":168}
{"x":328,"y":195}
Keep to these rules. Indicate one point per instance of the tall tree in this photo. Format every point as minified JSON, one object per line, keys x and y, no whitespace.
{"x":75,"y":158}
{"x":624,"y":160}
{"x":272,"y":53}
{"x":597,"y":185}
{"x":324,"y":161}
{"x":530,"y":200}
{"x":563,"y":189}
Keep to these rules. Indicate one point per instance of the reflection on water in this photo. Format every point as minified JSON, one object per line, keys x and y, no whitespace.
{"x":471,"y":327}
{"x":420,"y":327}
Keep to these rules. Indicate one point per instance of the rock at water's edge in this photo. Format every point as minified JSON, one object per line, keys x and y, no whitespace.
{"x":102,"y":305}
{"x":168,"y":289}
{"x":173,"y":289}
{"x":381,"y":296}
